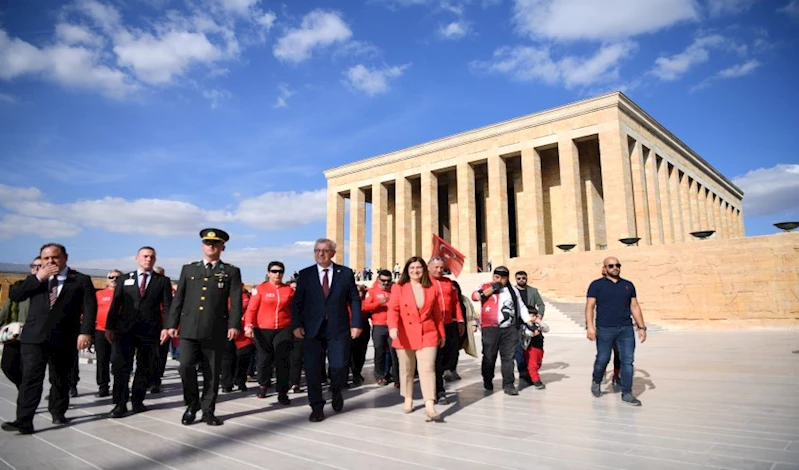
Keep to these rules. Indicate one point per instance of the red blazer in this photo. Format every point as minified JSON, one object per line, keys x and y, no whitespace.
{"x":418,"y":328}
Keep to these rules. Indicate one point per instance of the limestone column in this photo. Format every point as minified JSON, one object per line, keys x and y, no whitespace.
{"x":696,"y":220}
{"x":711,"y":221}
{"x":391,"y":229}
{"x":700,"y":207}
{"x":429,"y":201}
{"x":530,"y":208}
{"x":640,"y":197}
{"x":676,"y":204}
{"x":730,"y":227}
{"x":653,"y":193}
{"x":467,"y":228}
{"x":665,"y":199}
{"x":620,"y":210}
{"x":573,"y":227}
{"x":723,"y":218}
{"x":335,"y":221}
{"x":741,"y":229}
{"x":685,"y":205}
{"x":379,"y":226}
{"x":402,"y":218}
{"x":717,"y":215}
{"x":497,"y":211}
{"x":454,"y":215}
{"x":357,"y":228}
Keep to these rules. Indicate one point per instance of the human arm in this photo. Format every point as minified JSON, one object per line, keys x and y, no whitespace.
{"x":173,"y":319}
{"x":438,"y":318}
{"x":251,"y":315}
{"x":25,"y":289}
{"x":298,"y":308}
{"x":5,"y":311}
{"x":540,"y":306}
{"x":590,"y":303}
{"x":234,"y":315}
{"x":354,"y":301}
{"x":638,"y":316}
{"x":394,"y":312}
{"x":89,"y":308}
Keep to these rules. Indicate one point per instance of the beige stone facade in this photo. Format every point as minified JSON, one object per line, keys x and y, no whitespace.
{"x":586,"y":174}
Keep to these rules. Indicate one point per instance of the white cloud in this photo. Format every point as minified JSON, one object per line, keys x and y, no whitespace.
{"x":6,"y":98}
{"x":240,"y":7}
{"x":600,"y":21}
{"x":318,"y":29}
{"x":75,"y":35}
{"x":373,"y":81}
{"x":536,"y":64}
{"x":105,"y":16}
{"x":728,"y":7}
{"x":674,"y":67}
{"x":455,"y":30}
{"x":769,"y":191}
{"x":157,"y":60}
{"x":791,"y":9}
{"x":17,"y":224}
{"x":267,"y":20}
{"x":73,"y":66}
{"x":739,"y":70}
{"x":160,"y":217}
{"x":216,"y":96}
{"x":284,"y":93}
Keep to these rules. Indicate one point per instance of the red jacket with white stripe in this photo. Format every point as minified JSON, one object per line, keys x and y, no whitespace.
{"x":448,"y":296}
{"x":270,"y":307}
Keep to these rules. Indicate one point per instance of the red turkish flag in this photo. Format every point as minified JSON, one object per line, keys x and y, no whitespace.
{"x":453,"y":259}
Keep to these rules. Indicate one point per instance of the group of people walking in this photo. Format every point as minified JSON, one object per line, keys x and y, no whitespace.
{"x":419,"y":323}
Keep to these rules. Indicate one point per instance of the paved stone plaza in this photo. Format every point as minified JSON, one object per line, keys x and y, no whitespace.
{"x":711,"y":400}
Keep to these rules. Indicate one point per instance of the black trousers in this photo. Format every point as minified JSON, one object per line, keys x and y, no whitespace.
{"x":445,"y":359}
{"x":11,"y":362}
{"x":500,"y":341}
{"x":359,"y":347}
{"x":382,"y":345}
{"x":102,"y":352}
{"x":210,"y":352}
{"x":338,"y":354}
{"x":235,"y":363}
{"x":74,"y":371}
{"x":35,"y":360}
{"x":159,"y":363}
{"x":143,"y":346}
{"x":296,"y":361}
{"x":274,"y":349}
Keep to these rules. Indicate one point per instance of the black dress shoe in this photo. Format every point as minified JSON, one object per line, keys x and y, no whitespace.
{"x":284,"y":399}
{"x":227,"y":389}
{"x":119,"y":411}
{"x":155,"y":389}
{"x":60,"y":420}
{"x":104,"y":392}
{"x":12,"y":426}
{"x":211,"y":420}
{"x":338,"y":401}
{"x":317,"y":416}
{"x":138,"y":407}
{"x":189,"y":416}
{"x":242,"y":387}
{"x":357,"y":381}
{"x":73,"y":391}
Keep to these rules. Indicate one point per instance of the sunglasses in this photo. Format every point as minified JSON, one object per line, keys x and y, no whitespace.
{"x":276,"y":271}
{"x":35,"y":266}
{"x":385,"y":281}
{"x":112,"y":278}
{"x":521,"y":278}
{"x":212,"y":242}
{"x":613,"y":265}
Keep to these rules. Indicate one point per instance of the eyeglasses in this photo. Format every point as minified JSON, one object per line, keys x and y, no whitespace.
{"x":326,"y":250}
{"x":613,"y":265}
{"x":35,"y":266}
{"x":112,"y":278}
{"x":276,"y":271}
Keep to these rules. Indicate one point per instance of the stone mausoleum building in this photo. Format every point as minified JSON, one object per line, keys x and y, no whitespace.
{"x":586,"y":174}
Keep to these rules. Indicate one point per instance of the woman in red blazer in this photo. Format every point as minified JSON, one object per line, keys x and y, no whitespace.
{"x":416,"y":329}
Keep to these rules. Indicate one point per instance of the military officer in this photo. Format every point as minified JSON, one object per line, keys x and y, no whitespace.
{"x":200,"y":309}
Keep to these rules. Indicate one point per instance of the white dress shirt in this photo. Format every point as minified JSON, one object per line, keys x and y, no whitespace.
{"x":62,"y":277}
{"x":139,"y":272}
{"x":329,"y":274}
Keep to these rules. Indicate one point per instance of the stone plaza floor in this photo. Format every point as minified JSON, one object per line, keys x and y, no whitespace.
{"x":710,"y":400}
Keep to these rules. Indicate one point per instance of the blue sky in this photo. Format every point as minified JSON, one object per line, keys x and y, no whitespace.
{"x":124,"y":123}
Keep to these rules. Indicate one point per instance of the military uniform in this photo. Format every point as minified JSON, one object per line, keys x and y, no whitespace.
{"x":200,"y":309}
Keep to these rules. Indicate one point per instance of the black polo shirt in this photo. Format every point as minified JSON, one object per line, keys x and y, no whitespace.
{"x":612,"y":301}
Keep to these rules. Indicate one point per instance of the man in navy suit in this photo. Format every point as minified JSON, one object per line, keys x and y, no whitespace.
{"x":63,"y":307}
{"x":321,"y":317}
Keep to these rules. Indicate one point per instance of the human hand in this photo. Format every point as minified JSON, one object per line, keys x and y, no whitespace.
{"x":355,"y":332}
{"x":172,"y":332}
{"x":299,"y":333}
{"x":45,"y":272}
{"x":590,"y":333}
{"x":109,"y":336}
{"x":84,"y":341}
{"x":232,"y":333}
{"x":164,"y":336}
{"x":393,"y":333}
{"x":461,"y":328}
{"x":642,"y":335}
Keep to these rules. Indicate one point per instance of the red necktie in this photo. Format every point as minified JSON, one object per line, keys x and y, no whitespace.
{"x":143,"y":285}
{"x":53,"y":290}
{"x":325,"y":283}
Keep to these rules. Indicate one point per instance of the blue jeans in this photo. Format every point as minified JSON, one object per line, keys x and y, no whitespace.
{"x":624,"y":337}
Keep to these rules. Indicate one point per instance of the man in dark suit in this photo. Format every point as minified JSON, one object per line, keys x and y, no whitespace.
{"x":59,"y":296}
{"x":320,"y":316}
{"x":133,"y":328}
{"x":200,"y":309}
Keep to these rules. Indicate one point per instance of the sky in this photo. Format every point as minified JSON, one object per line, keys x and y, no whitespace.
{"x":139,"y":122}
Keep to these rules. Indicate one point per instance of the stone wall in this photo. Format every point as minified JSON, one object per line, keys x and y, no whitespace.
{"x":735,"y":283}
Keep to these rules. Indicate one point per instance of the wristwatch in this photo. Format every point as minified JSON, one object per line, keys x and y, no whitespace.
{"x":642,"y":327}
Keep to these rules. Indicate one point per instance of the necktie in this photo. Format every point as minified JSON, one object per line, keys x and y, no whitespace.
{"x":143,"y":284}
{"x":325,"y":283}
{"x":53,"y":290}
{"x":208,"y":268}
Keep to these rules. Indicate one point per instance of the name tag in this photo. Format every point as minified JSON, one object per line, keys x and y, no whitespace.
{"x":130,"y":282}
